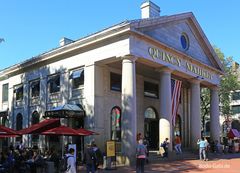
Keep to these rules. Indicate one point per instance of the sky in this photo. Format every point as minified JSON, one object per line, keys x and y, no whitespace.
{"x":30,"y":28}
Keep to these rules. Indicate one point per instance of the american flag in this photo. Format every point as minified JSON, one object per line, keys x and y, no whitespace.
{"x":176,"y":92}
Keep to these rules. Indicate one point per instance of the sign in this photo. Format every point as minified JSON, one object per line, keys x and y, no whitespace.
{"x":111,"y":149}
{"x":177,"y":61}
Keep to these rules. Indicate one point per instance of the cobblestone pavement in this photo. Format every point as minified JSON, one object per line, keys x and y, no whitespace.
{"x":222,"y":163}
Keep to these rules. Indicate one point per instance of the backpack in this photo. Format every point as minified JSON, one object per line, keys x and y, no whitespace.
{"x":64,"y":164}
{"x":163,"y":144}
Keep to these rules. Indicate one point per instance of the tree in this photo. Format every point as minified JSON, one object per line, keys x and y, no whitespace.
{"x":228,"y":83}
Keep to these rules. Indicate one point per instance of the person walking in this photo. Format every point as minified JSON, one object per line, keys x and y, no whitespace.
{"x":177,"y":146}
{"x":90,"y":159}
{"x":207,"y":146}
{"x":71,"y":164}
{"x":165,"y":148}
{"x":141,"y":154}
{"x":202,"y":149}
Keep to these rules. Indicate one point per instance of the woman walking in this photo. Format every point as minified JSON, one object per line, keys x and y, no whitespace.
{"x":141,"y":153}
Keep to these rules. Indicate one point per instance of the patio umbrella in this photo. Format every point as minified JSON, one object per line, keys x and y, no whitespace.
{"x":7,"y":132}
{"x":87,"y":132}
{"x":41,"y":126}
{"x":63,"y":131}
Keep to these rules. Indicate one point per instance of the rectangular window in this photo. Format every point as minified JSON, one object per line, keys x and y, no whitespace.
{"x":19,"y":92}
{"x":5,"y":92}
{"x":151,"y":90}
{"x":115,"y":82}
{"x":236,"y":109}
{"x":54,"y":84}
{"x":77,"y":77}
{"x":35,"y":88}
{"x":236,"y":96}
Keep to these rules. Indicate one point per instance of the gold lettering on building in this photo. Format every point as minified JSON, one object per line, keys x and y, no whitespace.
{"x":174,"y":60}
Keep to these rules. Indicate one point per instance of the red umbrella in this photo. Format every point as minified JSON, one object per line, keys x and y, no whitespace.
{"x":87,"y":132}
{"x":62,"y":131}
{"x":41,"y":126}
{"x":7,"y":132}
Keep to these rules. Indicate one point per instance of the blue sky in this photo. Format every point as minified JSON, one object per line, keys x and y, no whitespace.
{"x":33,"y":27}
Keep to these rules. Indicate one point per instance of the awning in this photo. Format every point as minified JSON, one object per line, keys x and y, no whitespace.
{"x":87,"y":132}
{"x":40,"y":127}
{"x":65,"y":111}
{"x":7,"y":132}
{"x":77,"y":74}
{"x":233,"y":133}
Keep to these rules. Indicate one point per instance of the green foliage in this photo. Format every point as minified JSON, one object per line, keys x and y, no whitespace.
{"x":229,"y":82}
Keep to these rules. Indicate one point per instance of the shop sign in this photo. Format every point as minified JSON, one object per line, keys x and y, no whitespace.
{"x":111,"y":150}
{"x":177,"y":61}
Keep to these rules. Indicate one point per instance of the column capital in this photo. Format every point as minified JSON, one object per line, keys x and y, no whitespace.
{"x":196,"y":80}
{"x":165,"y":69}
{"x":214,"y":87}
{"x":130,"y":58}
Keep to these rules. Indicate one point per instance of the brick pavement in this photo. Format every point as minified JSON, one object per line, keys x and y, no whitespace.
{"x":222,"y":163}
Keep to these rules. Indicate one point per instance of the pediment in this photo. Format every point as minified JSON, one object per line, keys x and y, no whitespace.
{"x":169,"y":29}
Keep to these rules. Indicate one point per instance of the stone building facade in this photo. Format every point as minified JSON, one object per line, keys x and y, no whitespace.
{"x":121,"y":77}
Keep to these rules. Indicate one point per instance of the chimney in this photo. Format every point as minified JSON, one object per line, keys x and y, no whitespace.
{"x":149,"y":10}
{"x":64,"y":41}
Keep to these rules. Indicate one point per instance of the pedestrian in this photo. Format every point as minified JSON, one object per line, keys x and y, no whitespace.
{"x":90,"y":159}
{"x":98,"y":154}
{"x":202,"y":149}
{"x":139,"y":136}
{"x":146,"y":143}
{"x":165,"y":148}
{"x":177,"y":146}
{"x":71,"y":164}
{"x":141,"y":154}
{"x":207,"y":146}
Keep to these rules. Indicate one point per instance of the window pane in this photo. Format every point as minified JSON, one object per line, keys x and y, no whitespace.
{"x":150,"y":90}
{"x":116,"y":124}
{"x":35,"y":88}
{"x":77,"y":78}
{"x":236,"y":96}
{"x":5,"y":93}
{"x":19,"y":93}
{"x":116,"y":82}
{"x":236,"y":109}
{"x":54,"y":84}
{"x":150,"y":113}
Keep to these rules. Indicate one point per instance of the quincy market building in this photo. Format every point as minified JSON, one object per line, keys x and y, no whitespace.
{"x":121,"y":78}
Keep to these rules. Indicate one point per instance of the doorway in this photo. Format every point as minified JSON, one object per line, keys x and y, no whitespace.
{"x":151,"y":128}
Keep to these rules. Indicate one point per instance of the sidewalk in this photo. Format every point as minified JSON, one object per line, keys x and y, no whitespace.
{"x":187,"y":162}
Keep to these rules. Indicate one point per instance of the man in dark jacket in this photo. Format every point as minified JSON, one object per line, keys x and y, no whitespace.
{"x":90,"y":159}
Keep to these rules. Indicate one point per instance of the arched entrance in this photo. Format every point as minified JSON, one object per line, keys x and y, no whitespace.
{"x":19,"y":125}
{"x":35,"y":120}
{"x":151,"y":128}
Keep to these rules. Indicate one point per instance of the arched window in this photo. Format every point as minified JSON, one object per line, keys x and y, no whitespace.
{"x":19,"y":122}
{"x":150,"y":113}
{"x":35,"y":120}
{"x":35,"y":117}
{"x":116,"y":124}
{"x":177,"y":127}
